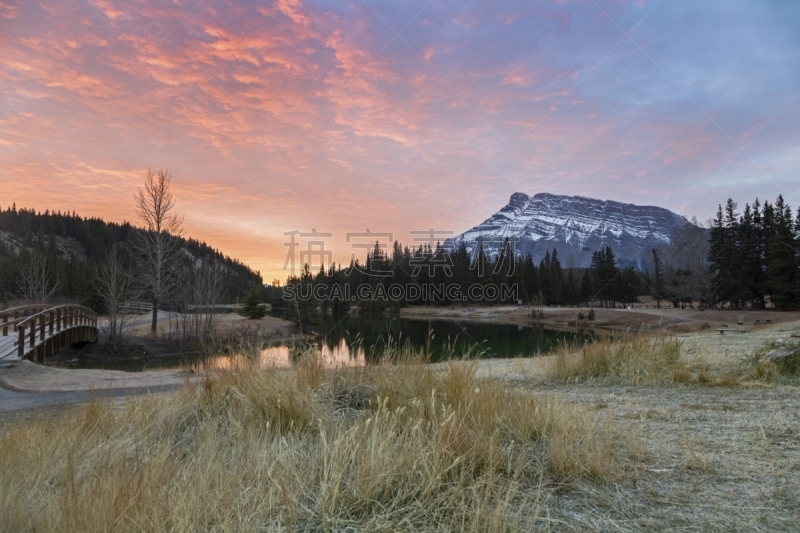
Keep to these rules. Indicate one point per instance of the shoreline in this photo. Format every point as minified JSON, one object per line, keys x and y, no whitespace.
{"x":648,"y":319}
{"x":695,"y":327}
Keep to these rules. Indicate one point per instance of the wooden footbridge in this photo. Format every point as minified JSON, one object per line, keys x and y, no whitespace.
{"x":38,"y":331}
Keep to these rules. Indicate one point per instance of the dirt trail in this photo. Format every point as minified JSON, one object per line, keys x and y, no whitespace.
{"x":30,"y":377}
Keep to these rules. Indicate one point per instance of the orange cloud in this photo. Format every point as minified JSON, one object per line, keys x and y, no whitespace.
{"x":287,"y":115}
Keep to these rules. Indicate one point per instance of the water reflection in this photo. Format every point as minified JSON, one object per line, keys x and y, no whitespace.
{"x":334,"y":356}
{"x":357,"y":341}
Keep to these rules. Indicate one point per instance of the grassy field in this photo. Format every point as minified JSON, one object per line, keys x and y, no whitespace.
{"x":394,"y":448}
{"x":625,"y":434}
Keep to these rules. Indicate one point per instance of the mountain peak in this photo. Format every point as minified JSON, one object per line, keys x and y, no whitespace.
{"x":575,"y":226}
{"x":519,"y":199}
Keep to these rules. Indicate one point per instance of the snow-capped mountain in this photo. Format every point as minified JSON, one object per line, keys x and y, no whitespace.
{"x":575,"y":226}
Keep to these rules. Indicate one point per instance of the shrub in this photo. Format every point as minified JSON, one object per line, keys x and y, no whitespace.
{"x":590,"y":316}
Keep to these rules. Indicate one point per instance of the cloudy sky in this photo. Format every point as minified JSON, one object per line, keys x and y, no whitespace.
{"x":393,"y":116}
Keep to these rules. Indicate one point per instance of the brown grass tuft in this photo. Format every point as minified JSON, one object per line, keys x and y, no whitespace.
{"x":703,"y":378}
{"x":403,"y":447}
{"x":629,"y":358}
{"x":681,"y":375}
{"x":730,"y":379}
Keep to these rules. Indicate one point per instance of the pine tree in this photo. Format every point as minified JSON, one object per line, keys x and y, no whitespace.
{"x":658,"y":277}
{"x":587,"y":290}
{"x":252,"y":307}
{"x":303,"y":308}
{"x":733,"y":255}
{"x":530,"y":275}
{"x":783,"y":263}
{"x":755,"y":270}
{"x":747,"y":252}
{"x":627,"y":289}
{"x":718,"y":259}
{"x":570,"y":294}
{"x":551,"y":278}
{"x":604,"y":270}
{"x":556,"y":277}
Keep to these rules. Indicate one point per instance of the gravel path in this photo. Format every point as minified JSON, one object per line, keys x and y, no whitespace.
{"x":19,"y":403}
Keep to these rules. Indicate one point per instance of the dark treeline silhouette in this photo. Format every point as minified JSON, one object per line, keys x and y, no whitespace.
{"x":755,"y":256}
{"x":73,"y":247}
{"x":467,"y":279}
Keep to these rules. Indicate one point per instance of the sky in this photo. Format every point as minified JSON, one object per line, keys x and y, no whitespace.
{"x":351,"y":117}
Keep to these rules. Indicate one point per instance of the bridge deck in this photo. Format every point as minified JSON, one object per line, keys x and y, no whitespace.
{"x":8,"y":349}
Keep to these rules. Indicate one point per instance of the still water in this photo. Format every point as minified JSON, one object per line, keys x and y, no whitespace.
{"x":356,"y":341}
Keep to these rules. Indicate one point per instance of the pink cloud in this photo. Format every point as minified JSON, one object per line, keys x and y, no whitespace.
{"x":508,"y":18}
{"x":8,"y":11}
{"x":284,"y":115}
{"x":108,"y":9}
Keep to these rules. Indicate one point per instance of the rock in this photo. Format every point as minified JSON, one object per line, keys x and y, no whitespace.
{"x":781,"y":356}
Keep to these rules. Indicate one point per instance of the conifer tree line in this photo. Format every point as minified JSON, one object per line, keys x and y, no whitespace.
{"x":677,"y":272}
{"x":754,"y":256}
{"x":74,"y":247}
{"x":547,"y":283}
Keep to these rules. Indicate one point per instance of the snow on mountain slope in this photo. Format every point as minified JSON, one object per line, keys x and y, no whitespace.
{"x":575,"y":226}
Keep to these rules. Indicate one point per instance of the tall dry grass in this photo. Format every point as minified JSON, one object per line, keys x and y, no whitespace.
{"x":627,"y":358}
{"x":404,"y":447}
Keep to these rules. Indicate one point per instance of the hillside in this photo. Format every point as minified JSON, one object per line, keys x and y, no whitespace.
{"x":75,"y":246}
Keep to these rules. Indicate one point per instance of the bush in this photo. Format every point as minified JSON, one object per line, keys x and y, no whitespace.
{"x":590,"y":316}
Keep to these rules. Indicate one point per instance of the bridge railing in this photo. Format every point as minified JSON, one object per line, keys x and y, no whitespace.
{"x":9,"y":318}
{"x":49,"y":322}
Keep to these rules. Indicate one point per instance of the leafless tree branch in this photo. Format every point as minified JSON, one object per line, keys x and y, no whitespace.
{"x":115,"y":286}
{"x":158,"y":246}
{"x":35,"y":281}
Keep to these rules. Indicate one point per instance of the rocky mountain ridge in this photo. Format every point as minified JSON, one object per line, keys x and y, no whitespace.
{"x":575,"y":226}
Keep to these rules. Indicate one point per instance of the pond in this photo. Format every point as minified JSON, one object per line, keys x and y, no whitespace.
{"x":355,"y":341}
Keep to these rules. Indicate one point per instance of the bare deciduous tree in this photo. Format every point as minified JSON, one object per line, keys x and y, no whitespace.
{"x":115,"y":287}
{"x":200,"y":293}
{"x":35,"y":281}
{"x":158,"y":246}
{"x":209,"y":290}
